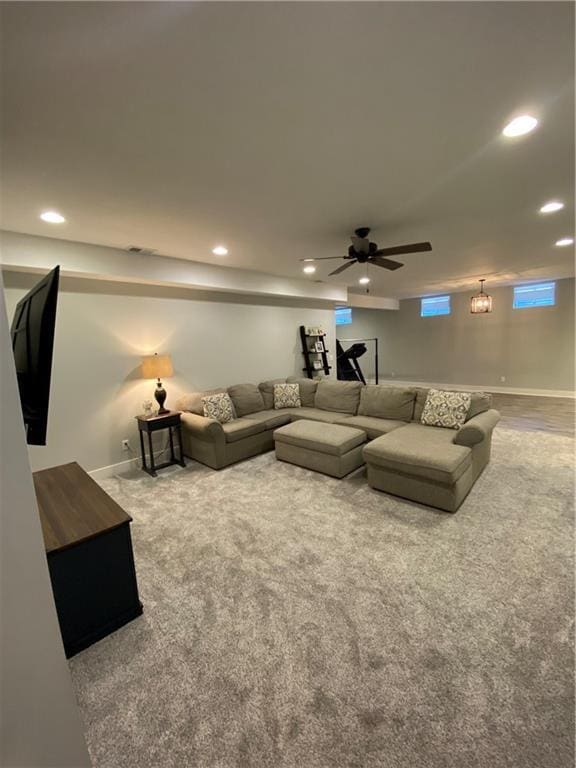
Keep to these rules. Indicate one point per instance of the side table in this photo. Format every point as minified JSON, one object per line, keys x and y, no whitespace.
{"x":150,"y":424}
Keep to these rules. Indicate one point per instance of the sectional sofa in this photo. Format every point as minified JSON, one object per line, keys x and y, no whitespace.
{"x":430,"y":465}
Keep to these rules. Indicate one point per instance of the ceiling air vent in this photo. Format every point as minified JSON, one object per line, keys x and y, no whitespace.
{"x":143,"y":251}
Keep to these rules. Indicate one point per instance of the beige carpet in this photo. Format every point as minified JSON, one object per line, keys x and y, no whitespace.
{"x":295,"y":620}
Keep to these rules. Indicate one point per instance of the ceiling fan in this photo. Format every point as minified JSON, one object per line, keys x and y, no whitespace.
{"x":362,"y":251}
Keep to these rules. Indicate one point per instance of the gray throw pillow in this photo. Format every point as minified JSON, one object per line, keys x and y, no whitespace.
{"x":479,"y":403}
{"x":308,"y":389}
{"x":267,"y":390}
{"x":385,"y":402}
{"x":192,"y":402}
{"x":247,"y":399}
{"x":446,"y":409}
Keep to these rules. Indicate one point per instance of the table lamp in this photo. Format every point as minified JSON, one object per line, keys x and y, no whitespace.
{"x":154,"y":367}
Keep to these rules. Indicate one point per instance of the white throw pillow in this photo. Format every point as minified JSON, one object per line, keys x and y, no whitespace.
{"x":445,"y":409}
{"x":286,"y":396}
{"x":218,"y":407}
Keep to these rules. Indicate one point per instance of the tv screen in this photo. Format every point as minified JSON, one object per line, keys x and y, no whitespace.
{"x":32,"y":334}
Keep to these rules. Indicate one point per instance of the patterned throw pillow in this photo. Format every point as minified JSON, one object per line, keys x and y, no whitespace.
{"x":218,"y":407}
{"x":445,"y":409}
{"x":286,"y":396}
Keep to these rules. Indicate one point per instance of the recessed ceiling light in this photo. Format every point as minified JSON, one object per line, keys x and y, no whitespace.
{"x":520,"y":125}
{"x":52,"y":217}
{"x":565,"y":241}
{"x":364,"y":280}
{"x":309,"y":269}
{"x":220,"y":250}
{"x":552,"y":207}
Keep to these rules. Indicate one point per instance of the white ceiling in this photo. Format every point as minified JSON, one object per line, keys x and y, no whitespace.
{"x":277,"y":128}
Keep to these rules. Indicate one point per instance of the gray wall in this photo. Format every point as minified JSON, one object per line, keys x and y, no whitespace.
{"x":103,"y":330}
{"x":39,"y":718}
{"x":530,"y":348}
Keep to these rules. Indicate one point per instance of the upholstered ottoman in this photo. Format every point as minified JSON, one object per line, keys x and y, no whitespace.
{"x":328,"y":448}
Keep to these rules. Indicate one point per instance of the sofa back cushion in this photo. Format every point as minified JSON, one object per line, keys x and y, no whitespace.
{"x":387,"y":402}
{"x":192,"y":401}
{"x":479,"y":402}
{"x":267,"y":390}
{"x":308,"y":389}
{"x":341,"y":396}
{"x":247,"y":399}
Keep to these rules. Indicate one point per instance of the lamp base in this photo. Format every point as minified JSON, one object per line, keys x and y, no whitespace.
{"x":160,"y":395}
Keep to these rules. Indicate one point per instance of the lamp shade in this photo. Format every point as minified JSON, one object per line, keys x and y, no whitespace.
{"x":157,"y":367}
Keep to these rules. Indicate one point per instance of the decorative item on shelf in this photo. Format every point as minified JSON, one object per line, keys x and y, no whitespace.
{"x":312,"y":340}
{"x":482,"y":302}
{"x":156,"y":367}
{"x":147,"y":407}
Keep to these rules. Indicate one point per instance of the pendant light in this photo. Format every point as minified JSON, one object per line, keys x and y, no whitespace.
{"x":482,"y":302}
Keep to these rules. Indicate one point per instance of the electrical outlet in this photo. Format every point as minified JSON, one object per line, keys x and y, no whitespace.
{"x":502,"y":379}
{"x":125,"y":445}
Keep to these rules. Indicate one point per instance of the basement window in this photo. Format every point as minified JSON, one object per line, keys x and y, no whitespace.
{"x":536,"y":295}
{"x":435,"y":305}
{"x":343,"y":315}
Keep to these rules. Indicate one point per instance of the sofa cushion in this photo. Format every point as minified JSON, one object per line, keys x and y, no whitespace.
{"x":479,"y":403}
{"x":385,"y":402}
{"x":267,"y":390}
{"x":270,"y":418}
{"x":241,"y":428}
{"x":192,"y":401}
{"x":308,"y":389}
{"x":421,"y":451}
{"x":342,"y":396}
{"x":445,"y":409}
{"x":247,"y":398}
{"x":286,"y":396}
{"x":323,"y":438}
{"x":315,"y":414}
{"x":372,"y":426}
{"x":218,"y":407}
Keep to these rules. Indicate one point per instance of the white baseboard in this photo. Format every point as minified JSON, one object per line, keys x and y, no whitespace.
{"x":481,"y":388}
{"x":130,"y":465}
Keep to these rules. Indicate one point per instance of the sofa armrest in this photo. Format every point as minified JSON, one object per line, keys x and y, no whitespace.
{"x":477,"y":429}
{"x":202,"y":428}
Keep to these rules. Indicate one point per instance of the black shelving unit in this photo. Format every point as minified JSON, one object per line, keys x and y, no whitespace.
{"x":310,"y":355}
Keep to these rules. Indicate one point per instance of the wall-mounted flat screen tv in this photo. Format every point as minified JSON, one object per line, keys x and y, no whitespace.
{"x":32,"y":334}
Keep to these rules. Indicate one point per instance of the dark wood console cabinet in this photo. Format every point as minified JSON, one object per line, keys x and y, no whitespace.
{"x":89,"y":550}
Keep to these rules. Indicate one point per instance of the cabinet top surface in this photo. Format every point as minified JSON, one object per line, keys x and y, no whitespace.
{"x":73,"y":507}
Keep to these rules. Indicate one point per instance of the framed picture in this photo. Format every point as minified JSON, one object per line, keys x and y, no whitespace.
{"x":317,"y":365}
{"x":319,"y":346}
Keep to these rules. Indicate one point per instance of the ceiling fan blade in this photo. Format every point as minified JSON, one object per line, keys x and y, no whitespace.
{"x":343,"y":267}
{"x":323,"y":258}
{"x":409,"y":248}
{"x":386,"y":263}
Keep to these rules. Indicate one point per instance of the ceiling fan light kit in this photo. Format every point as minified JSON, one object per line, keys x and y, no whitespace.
{"x":482,"y":302}
{"x":362,"y":251}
